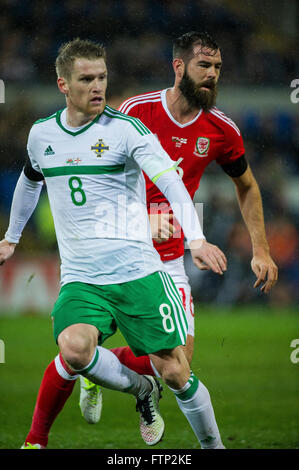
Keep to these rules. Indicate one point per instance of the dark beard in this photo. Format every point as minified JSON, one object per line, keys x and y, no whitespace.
{"x":196,"y":97}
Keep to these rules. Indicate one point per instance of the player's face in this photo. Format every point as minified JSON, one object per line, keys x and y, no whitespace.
{"x":199,"y":82}
{"x":87,"y":86}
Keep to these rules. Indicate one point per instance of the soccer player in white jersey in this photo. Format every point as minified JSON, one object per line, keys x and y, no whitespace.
{"x":92,"y":159}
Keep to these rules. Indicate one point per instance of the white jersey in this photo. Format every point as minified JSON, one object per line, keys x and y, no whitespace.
{"x":97,"y":194}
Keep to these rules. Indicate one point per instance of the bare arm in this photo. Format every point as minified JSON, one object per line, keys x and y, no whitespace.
{"x":250,"y":202}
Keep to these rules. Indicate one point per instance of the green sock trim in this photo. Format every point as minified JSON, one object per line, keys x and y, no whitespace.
{"x":184,"y":396}
{"x":85,"y":371}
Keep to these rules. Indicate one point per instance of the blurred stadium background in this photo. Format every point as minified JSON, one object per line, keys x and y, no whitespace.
{"x":259,"y":45}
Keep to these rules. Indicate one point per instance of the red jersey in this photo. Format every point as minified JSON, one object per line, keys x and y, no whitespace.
{"x":209,"y":136}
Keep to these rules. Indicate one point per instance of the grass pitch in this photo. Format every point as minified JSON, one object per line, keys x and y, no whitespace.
{"x":242,"y":356}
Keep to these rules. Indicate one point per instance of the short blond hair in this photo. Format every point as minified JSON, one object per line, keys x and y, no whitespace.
{"x":77,"y":49}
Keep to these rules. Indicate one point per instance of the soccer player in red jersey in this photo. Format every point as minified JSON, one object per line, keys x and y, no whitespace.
{"x":194,"y":132}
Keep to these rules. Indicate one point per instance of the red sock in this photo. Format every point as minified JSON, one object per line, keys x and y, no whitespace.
{"x":52,"y":395}
{"x":141,"y":364}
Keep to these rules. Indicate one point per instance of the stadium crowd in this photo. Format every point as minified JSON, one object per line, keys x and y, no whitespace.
{"x":31,"y":33}
{"x":253,"y":47}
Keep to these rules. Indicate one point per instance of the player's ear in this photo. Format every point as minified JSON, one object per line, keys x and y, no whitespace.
{"x":62,"y":85}
{"x":179,"y":68}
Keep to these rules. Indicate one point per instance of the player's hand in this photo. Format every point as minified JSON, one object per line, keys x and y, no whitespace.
{"x":208,"y":257}
{"x":6,"y":250}
{"x":161,"y":227}
{"x":265,"y":270}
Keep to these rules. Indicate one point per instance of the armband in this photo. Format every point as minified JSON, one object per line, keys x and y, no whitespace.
{"x":236,"y":168}
{"x":31,"y":173}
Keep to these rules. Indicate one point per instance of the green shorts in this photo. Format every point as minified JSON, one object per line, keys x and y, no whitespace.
{"x":148,"y":311}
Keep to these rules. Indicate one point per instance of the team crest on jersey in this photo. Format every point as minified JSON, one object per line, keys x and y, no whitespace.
{"x":202,"y":147}
{"x":99,"y":147}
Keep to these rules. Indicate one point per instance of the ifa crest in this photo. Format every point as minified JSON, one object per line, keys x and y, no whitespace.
{"x":99,"y":148}
{"x":202,"y":147}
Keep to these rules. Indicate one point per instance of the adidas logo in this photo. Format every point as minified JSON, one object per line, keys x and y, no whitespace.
{"x":49,"y":151}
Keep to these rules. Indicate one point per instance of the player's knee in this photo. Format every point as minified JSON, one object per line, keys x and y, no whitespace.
{"x":77,"y":348}
{"x":171,"y":374}
{"x":176,"y":371}
{"x":76,"y":353}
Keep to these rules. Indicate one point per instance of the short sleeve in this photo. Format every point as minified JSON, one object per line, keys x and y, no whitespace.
{"x":233,"y":147}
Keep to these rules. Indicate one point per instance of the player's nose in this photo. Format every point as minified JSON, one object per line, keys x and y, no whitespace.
{"x":212,"y":75}
{"x":97,"y":85}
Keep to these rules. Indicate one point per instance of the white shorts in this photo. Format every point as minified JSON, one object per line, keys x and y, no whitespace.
{"x":176,"y":270}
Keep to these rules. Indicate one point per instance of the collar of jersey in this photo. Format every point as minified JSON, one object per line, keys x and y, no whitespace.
{"x":164,"y":104}
{"x":58,"y":120}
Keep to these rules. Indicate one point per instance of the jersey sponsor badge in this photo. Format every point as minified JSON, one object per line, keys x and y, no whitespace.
{"x":202,"y":147}
{"x":99,"y":148}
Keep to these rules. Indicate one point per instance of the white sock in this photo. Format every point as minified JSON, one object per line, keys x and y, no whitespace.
{"x":194,"y":401}
{"x":105,"y":369}
{"x":61,"y":370}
